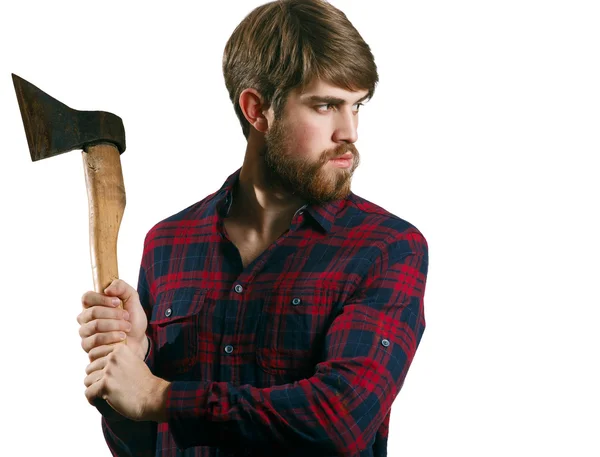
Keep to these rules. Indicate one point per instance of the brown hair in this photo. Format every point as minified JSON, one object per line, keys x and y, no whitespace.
{"x":287,"y":44}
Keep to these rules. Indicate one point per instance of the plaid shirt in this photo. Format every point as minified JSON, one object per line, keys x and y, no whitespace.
{"x":300,"y":353}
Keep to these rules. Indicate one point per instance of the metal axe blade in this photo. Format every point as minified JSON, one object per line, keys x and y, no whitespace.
{"x":53,"y":128}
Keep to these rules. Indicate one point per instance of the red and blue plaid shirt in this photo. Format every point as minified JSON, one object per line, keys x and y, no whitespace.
{"x":300,"y":353}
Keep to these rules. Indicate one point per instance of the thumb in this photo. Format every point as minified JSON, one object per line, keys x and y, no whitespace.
{"x":119,"y":288}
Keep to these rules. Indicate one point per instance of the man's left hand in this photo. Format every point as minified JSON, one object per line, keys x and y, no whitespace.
{"x":127,"y":384}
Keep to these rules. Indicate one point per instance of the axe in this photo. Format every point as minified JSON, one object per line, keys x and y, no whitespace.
{"x":53,"y":128}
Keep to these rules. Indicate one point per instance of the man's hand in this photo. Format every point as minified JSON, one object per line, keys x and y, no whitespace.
{"x":103,"y":324}
{"x":127,"y":384}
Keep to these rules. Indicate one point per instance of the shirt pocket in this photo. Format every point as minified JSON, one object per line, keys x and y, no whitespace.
{"x":174,"y":330}
{"x":291,"y":332}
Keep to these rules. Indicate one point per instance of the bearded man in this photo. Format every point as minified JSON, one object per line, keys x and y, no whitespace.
{"x":279,"y":315}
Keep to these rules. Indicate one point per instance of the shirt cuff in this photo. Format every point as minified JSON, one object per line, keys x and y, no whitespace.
{"x":188,"y":418}
{"x":149,"y":359}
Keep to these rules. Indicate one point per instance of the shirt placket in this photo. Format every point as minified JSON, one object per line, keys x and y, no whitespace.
{"x":239,"y":295}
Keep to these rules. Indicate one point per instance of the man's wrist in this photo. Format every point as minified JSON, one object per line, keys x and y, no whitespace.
{"x":157,"y":401}
{"x":144,"y":348}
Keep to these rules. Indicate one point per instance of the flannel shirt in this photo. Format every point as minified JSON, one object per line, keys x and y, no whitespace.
{"x":300,"y":353}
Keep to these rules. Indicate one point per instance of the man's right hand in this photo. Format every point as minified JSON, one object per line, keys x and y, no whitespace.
{"x":102,"y":323}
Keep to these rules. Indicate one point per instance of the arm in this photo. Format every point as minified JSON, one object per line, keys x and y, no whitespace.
{"x":124,"y":437}
{"x":340,"y":408}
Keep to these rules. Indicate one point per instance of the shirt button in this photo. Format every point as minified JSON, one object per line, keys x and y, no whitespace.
{"x":238,"y":288}
{"x":385,"y":343}
{"x":296,"y":301}
{"x":168,"y":312}
{"x":229,"y":349}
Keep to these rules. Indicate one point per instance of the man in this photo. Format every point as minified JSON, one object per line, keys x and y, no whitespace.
{"x":279,"y":315}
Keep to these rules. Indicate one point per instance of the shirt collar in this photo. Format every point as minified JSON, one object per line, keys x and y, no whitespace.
{"x":324,"y":214}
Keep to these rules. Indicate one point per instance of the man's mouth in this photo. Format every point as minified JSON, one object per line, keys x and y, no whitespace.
{"x":343,"y":161}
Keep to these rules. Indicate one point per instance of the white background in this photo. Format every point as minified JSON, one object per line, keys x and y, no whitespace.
{"x":483,"y":133}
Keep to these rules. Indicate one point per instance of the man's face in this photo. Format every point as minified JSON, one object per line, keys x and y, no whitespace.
{"x":317,"y":126}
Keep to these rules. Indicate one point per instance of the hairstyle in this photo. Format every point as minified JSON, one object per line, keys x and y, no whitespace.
{"x":287,"y":44}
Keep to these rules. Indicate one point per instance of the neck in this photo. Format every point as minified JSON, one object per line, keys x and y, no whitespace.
{"x":257,"y":205}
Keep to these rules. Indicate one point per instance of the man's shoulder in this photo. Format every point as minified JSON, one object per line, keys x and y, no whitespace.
{"x":190,"y":216}
{"x":380,"y":224}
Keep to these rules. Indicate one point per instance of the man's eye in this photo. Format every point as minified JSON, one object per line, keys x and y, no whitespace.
{"x":326,"y":107}
{"x":333,"y":107}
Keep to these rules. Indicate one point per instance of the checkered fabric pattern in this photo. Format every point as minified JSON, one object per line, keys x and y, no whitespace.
{"x":300,"y":353}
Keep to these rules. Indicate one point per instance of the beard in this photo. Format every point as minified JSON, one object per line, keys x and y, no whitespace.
{"x":311,"y":180}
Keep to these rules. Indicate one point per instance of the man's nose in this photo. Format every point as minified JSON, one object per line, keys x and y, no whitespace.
{"x":346,"y":129}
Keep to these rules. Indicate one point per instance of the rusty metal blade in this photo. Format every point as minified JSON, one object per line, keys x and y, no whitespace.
{"x":53,"y":128}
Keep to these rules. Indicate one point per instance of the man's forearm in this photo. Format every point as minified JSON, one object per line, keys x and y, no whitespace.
{"x":144,"y":348}
{"x":156,"y":409}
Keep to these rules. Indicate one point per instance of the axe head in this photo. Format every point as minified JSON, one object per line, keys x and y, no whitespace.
{"x":52,"y":127}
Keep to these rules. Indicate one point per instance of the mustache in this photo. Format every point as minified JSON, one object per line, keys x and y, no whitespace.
{"x":339,"y":151}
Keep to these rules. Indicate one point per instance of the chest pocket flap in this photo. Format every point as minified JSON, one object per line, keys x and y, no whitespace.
{"x":292,"y":329}
{"x":174,"y":330}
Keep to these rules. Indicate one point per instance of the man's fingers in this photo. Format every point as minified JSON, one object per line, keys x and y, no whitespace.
{"x":101,"y":339}
{"x":93,"y":377}
{"x":119,"y":288}
{"x":101,"y":312}
{"x":95,"y":390}
{"x":103,"y":326}
{"x":91,"y":298}
{"x":96,"y":365}
{"x":100,"y":351}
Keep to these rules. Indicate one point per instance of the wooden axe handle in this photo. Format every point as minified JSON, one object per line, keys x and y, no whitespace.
{"x":106,"y":201}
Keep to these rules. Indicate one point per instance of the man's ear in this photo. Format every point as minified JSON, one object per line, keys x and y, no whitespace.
{"x":252,"y":105}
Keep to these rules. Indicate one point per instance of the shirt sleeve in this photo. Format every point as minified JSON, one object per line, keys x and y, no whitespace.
{"x":368,"y":350}
{"x":124,"y":437}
